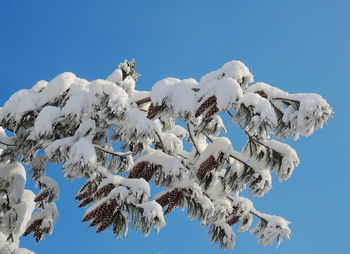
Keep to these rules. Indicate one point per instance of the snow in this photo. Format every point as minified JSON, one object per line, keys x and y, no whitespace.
{"x":39,"y":86}
{"x":290,"y":158}
{"x":77,"y":104}
{"x":153,"y":213}
{"x":176,"y":94}
{"x":271,"y":227}
{"x":227,"y":92}
{"x":83,"y":152}
{"x":260,"y":106}
{"x":24,"y":212}
{"x":220,"y":144}
{"x":13,"y":173}
{"x":20,"y":102}
{"x":233,"y":69}
{"x":137,"y":122}
{"x":44,"y":121}
{"x":170,"y":165}
{"x":86,"y":129}
{"x":58,"y":86}
{"x":61,"y":145}
{"x":118,"y":98}
{"x":116,"y":76}
{"x":178,"y":131}
{"x":128,"y":84}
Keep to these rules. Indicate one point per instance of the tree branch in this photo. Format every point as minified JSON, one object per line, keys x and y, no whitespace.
{"x":112,"y":152}
{"x":287,"y":100}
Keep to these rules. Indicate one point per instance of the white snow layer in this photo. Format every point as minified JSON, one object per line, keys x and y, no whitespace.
{"x":176,"y":94}
{"x":233,"y":69}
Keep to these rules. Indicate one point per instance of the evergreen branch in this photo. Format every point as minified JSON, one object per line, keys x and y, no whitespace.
{"x":112,"y":152}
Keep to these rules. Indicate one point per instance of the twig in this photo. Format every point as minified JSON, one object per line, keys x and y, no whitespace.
{"x":252,"y":138}
{"x":193,"y":140}
{"x":5,"y":144}
{"x":257,"y":214}
{"x":112,"y":152}
{"x":160,"y":140}
{"x":143,"y":101}
{"x":231,"y":155}
{"x":288,"y":100}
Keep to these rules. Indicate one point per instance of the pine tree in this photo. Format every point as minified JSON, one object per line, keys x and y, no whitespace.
{"x":73,"y":122}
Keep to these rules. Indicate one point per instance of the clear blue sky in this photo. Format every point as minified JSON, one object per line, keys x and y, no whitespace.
{"x":298,"y":45}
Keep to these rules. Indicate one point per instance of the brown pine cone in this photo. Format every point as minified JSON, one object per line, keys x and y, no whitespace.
{"x":213,"y":110}
{"x":172,"y":198}
{"x":147,"y":172}
{"x":86,"y":202}
{"x":233,"y":220}
{"x":104,"y":190}
{"x":108,"y":213}
{"x":163,"y":200}
{"x":107,"y":221}
{"x":98,"y":211}
{"x":82,"y":196}
{"x":205,"y":105}
{"x":137,"y":169}
{"x":207,"y":165}
{"x":34,"y":226}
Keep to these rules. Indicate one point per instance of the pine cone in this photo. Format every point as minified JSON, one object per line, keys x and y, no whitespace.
{"x":205,"y":105}
{"x":141,"y":169}
{"x":34,"y":226}
{"x":163,"y":200}
{"x":172,"y":198}
{"x":82,"y":196}
{"x":213,"y":110}
{"x":98,"y":211}
{"x":147,"y":172}
{"x":233,"y":220}
{"x":104,"y":190}
{"x":86,"y":202}
{"x":208,"y":165}
{"x":107,"y":214}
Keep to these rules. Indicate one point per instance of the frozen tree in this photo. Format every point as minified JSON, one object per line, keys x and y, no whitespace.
{"x":173,"y":135}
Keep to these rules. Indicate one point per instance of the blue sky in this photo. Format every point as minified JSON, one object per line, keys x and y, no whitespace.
{"x":299,"y":45}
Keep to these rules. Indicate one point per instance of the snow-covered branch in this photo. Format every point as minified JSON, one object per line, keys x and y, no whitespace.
{"x":76,"y":123}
